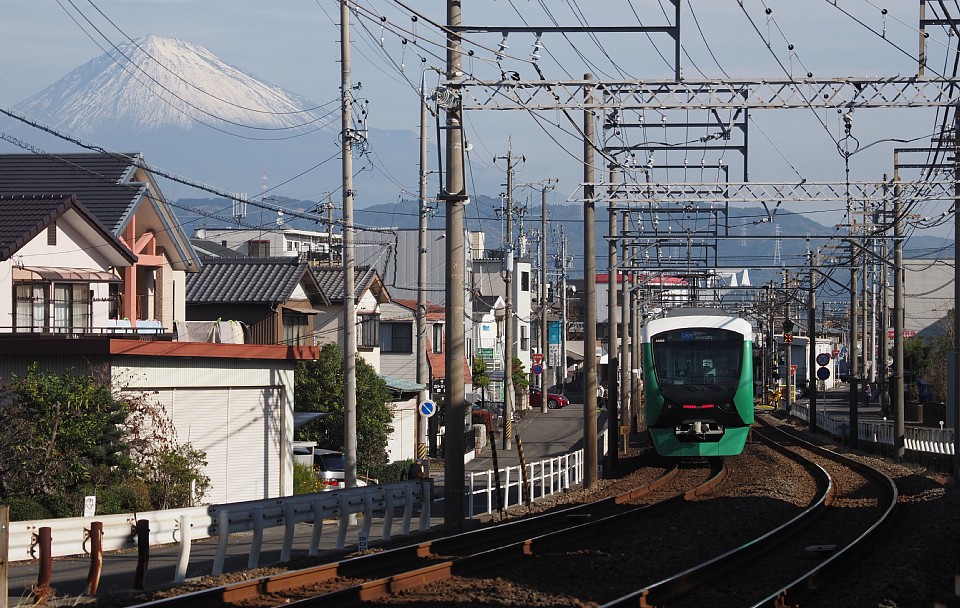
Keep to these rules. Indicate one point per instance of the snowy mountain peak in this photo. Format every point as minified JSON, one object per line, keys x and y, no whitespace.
{"x":156,"y":83}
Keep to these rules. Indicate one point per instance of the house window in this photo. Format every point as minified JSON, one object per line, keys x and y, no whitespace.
{"x":258,"y":249}
{"x":295,"y":327}
{"x":524,"y":281}
{"x":52,"y":233}
{"x":31,"y":313}
{"x":71,"y":307}
{"x":396,"y":337}
{"x":369,"y":334}
{"x":437,"y":338}
{"x":524,"y":337}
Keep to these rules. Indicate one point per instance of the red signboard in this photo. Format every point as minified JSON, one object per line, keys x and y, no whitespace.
{"x":907,"y":333}
{"x":793,"y":370}
{"x":537,"y":358}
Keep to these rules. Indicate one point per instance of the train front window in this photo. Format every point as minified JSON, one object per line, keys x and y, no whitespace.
{"x":698,"y":356}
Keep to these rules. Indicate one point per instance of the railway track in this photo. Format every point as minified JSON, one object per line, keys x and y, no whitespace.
{"x":810,"y":548}
{"x":378,"y":575}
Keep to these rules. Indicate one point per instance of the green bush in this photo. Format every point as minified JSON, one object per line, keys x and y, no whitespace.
{"x":26,"y":509}
{"x":304,"y":479}
{"x":392,"y":471}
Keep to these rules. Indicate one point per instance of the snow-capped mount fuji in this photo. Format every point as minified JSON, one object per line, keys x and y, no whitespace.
{"x":193,"y":114}
{"x":155,"y":83}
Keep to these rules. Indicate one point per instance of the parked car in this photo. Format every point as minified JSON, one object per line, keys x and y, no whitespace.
{"x":554,"y":401}
{"x":329,"y":468}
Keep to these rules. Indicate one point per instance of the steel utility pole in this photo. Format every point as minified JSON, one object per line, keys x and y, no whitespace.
{"x":349,"y":279}
{"x":455,"y":196}
{"x":854,"y":365}
{"x":422,"y":367}
{"x":590,"y":459}
{"x":625,"y":359}
{"x":613,"y":400}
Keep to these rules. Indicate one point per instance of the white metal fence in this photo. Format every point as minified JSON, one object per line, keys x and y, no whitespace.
{"x":544,"y":478}
{"x":881,"y":432}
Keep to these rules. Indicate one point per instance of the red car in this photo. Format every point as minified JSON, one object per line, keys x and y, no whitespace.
{"x":554,"y":400}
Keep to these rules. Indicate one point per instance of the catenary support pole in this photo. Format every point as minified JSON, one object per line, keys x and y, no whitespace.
{"x":542,"y":334}
{"x":455,"y":194}
{"x":899,"y":422}
{"x":589,"y":297}
{"x":956,"y":300}
{"x":613,"y":345}
{"x":509,"y":405}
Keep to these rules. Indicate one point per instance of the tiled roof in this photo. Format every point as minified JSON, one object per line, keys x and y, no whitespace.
{"x":98,"y":180}
{"x":24,"y":217}
{"x":435,"y":312}
{"x":438,"y":365}
{"x":331,"y":281}
{"x":248,"y":281}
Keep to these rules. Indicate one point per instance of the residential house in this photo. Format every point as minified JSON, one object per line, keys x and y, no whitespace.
{"x":125,"y":197}
{"x":276,"y":299}
{"x":93,"y":236}
{"x":369,"y":294}
{"x":57,"y":266}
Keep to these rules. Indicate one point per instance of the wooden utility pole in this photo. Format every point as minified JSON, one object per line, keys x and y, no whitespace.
{"x":589,"y":297}
{"x":456,"y":196}
{"x":349,"y":279}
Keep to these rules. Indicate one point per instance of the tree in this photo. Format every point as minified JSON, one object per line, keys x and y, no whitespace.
{"x":318,"y":387}
{"x":481,"y":379}
{"x":68,"y":435}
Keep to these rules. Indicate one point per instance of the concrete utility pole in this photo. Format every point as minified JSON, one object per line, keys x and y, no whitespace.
{"x":422,"y":367}
{"x":349,"y":279}
{"x":613,"y":346}
{"x":544,"y":341}
{"x":508,"y":390}
{"x":456,"y":197}
{"x":590,"y":459}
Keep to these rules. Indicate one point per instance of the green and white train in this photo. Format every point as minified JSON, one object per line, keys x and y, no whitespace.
{"x":698,"y":382}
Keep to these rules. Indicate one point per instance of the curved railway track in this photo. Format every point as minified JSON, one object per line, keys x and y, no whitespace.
{"x":376,"y":575}
{"x":810,"y":548}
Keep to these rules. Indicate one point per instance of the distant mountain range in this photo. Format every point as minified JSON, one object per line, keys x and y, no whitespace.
{"x":741,"y":249}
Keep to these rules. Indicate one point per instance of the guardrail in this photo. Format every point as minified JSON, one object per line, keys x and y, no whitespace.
{"x":71,"y":536}
{"x":916,"y":439}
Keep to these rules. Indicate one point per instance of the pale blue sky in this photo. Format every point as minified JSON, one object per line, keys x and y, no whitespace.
{"x":295,"y":44}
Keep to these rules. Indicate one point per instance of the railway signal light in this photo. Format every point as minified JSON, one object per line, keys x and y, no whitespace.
{"x":787,"y":326}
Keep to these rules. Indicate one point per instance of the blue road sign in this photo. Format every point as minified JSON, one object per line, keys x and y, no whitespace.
{"x":537,"y":369}
{"x":428,"y":408}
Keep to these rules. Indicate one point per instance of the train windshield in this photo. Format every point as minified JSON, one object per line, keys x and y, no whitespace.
{"x":699,"y":355}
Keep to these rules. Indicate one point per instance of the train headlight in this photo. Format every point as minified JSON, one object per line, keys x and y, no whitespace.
{"x":728,"y":406}
{"x":669,"y":407}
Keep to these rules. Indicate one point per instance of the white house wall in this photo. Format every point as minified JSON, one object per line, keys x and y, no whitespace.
{"x":401,"y":443}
